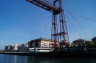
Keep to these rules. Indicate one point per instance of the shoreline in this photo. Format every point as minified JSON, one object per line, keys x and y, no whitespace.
{"x":54,"y":54}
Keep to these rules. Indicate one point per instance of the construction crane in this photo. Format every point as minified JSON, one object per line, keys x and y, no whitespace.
{"x":61,"y":37}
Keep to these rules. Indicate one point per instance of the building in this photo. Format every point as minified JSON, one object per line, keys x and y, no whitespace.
{"x":41,"y":43}
{"x":16,"y":48}
{"x":46,"y":45}
{"x":79,"y":45}
{"x":79,"y":42}
{"x":8,"y":48}
{"x":23,"y":47}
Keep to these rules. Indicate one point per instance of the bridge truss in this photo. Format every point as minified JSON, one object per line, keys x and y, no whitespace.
{"x":57,"y":9}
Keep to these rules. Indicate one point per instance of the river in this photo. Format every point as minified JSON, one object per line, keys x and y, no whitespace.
{"x":31,"y":59}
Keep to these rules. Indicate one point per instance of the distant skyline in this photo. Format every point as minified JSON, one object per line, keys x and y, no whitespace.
{"x":21,"y":21}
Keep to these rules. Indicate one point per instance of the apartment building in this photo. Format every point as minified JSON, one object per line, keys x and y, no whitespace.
{"x":16,"y":48}
{"x":41,"y":43}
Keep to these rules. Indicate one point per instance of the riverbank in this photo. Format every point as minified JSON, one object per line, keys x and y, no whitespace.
{"x":55,"y":54}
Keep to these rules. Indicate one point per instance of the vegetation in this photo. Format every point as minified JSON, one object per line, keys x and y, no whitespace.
{"x":94,"y":41}
{"x":89,"y":43}
{"x":83,"y":42}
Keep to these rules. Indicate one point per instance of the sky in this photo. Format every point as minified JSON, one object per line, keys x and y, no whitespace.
{"x":21,"y":21}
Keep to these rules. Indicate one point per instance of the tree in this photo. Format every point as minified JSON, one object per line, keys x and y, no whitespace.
{"x":94,"y":40}
{"x":89,"y":43}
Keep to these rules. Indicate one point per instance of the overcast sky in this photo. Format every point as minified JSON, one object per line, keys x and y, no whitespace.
{"x":21,"y":21}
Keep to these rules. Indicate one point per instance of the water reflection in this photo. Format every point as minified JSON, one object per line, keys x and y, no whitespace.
{"x":60,"y":60}
{"x":19,"y":59}
{"x":31,"y":59}
{"x":15,"y":59}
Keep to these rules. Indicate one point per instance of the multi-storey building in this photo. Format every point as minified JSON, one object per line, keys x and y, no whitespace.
{"x":41,"y":43}
{"x":23,"y":47}
{"x":17,"y":47}
{"x":79,"y":42}
{"x":8,"y":47}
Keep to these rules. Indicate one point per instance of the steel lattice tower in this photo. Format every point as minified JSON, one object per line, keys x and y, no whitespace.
{"x":61,"y":37}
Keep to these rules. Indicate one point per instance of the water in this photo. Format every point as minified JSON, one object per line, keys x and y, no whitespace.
{"x":30,"y":59}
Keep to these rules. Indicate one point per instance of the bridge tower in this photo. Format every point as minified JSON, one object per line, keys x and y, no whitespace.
{"x":57,"y":9}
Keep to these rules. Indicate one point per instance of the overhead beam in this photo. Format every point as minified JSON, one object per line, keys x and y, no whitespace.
{"x":45,"y":5}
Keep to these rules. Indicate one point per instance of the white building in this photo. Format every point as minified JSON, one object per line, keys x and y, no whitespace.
{"x":16,"y":47}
